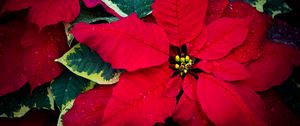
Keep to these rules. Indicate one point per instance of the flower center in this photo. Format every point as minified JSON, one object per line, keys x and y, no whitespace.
{"x":182,"y":63}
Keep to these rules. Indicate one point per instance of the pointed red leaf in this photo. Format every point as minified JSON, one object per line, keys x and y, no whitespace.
{"x":88,"y":107}
{"x":230,"y":105}
{"x":11,"y":52}
{"x":46,"y":12}
{"x":224,"y":69}
{"x":224,"y":34}
{"x":189,"y":113}
{"x":42,"y":48}
{"x":189,"y":86}
{"x":275,"y":66}
{"x":127,"y":44}
{"x":54,"y":10}
{"x":173,"y":86}
{"x":139,"y":99}
{"x":215,"y":9}
{"x":252,"y":48}
{"x":174,"y":15}
{"x":136,"y":100}
{"x":198,"y":43}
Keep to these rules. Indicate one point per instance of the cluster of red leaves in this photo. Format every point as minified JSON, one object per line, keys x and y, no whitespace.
{"x":236,"y":58}
{"x":228,"y":38}
{"x":31,"y":41}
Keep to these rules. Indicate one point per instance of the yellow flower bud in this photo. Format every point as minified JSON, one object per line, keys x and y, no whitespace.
{"x":187,"y":58}
{"x":177,"y":58}
{"x":182,"y":59}
{"x":176,"y":66}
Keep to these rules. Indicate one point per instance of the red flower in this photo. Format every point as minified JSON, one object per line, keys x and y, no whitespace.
{"x":146,"y":92}
{"x":28,"y":54}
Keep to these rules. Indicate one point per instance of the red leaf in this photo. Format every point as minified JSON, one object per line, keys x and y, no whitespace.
{"x":224,"y":34}
{"x":173,"y":86}
{"x":11,"y":52}
{"x":93,"y":3}
{"x":127,"y":44}
{"x":198,"y":43}
{"x":139,"y":99}
{"x":28,"y":54}
{"x":189,"y":113}
{"x":46,"y":12}
{"x":252,"y":48}
{"x":42,"y":48}
{"x":224,"y":69}
{"x":275,"y":66}
{"x":189,"y":87}
{"x":230,"y":105}
{"x":174,"y":15}
{"x":88,"y":107}
{"x":215,"y":9}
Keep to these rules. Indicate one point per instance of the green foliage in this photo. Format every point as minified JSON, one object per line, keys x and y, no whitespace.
{"x":93,"y":15}
{"x":271,"y":7}
{"x":126,"y":7}
{"x":86,"y":63}
{"x":18,"y":103}
{"x":67,"y":87}
{"x":64,"y":110}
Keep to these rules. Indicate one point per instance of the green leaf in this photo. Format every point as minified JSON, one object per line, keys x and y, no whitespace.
{"x":65,"y":109}
{"x":93,"y":15}
{"x":18,"y":103}
{"x":86,"y":63}
{"x":126,"y":7}
{"x":271,"y":7}
{"x":258,"y":4}
{"x":67,"y":87}
{"x":274,"y":7}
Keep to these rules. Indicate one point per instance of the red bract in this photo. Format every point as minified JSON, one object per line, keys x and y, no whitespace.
{"x":46,"y":12}
{"x":252,"y":48}
{"x":127,"y":44}
{"x":268,"y":63}
{"x":135,"y":46}
{"x":138,"y":99}
{"x":28,"y":54}
{"x":275,"y":66}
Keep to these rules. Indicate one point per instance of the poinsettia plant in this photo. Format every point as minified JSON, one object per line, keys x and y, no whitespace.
{"x":161,"y":62}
